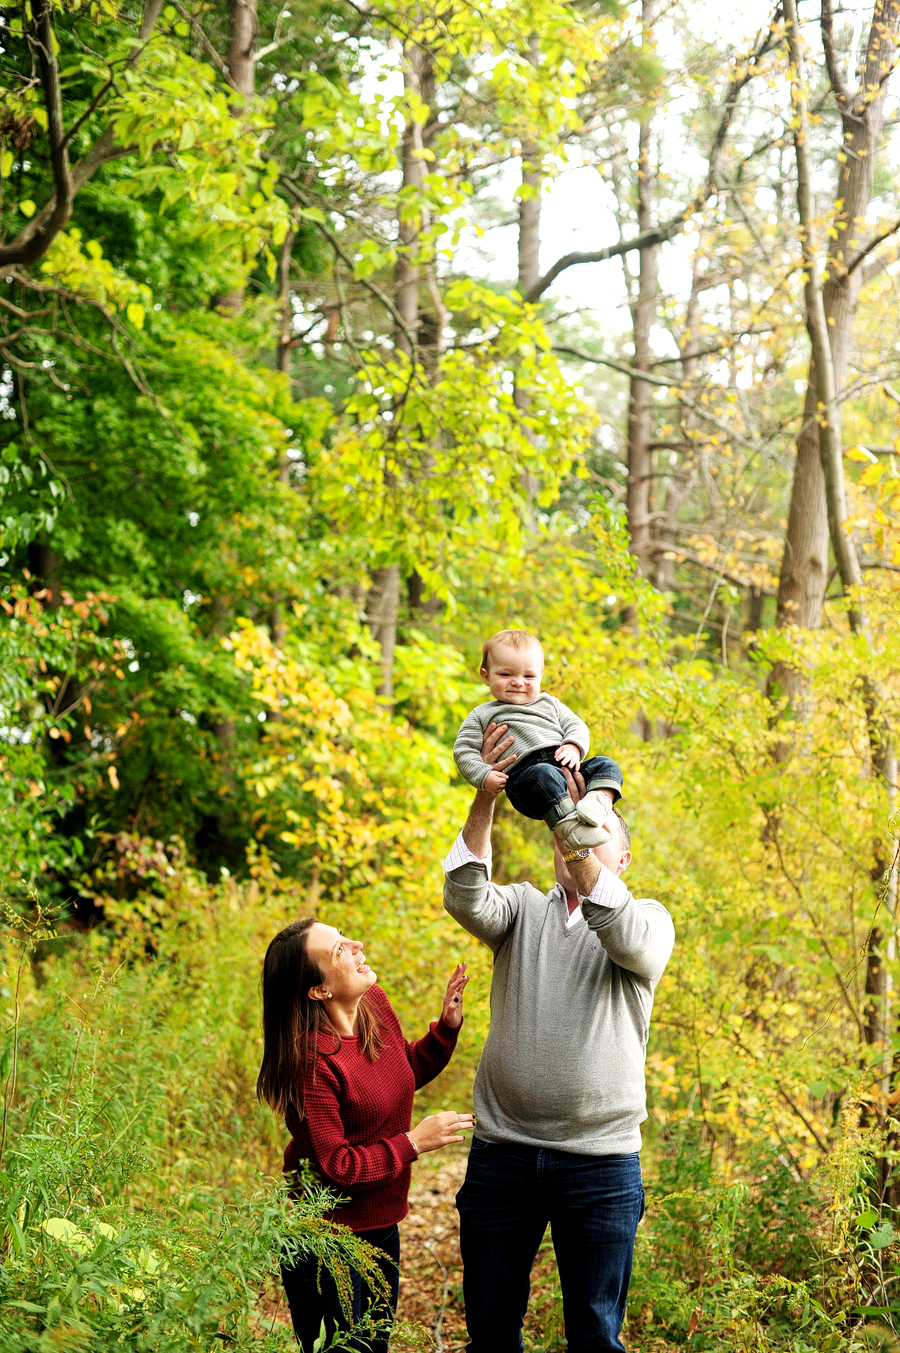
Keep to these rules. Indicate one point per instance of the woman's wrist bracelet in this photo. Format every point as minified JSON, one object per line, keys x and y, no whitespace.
{"x":576,"y":855}
{"x":412,"y":1143}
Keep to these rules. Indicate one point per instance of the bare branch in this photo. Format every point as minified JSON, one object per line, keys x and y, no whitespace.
{"x":687,"y":557}
{"x":841,"y":93}
{"x":873,"y":244}
{"x":200,"y":35}
{"x":344,"y":255}
{"x":673,"y":227}
{"x":691,"y":404}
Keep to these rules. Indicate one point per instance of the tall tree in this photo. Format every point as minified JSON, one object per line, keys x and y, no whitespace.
{"x":859,"y":97}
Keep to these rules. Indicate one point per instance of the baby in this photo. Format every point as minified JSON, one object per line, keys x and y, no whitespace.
{"x":547,"y":737}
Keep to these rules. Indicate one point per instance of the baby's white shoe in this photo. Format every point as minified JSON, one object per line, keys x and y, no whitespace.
{"x":578,"y":834}
{"x":594,"y":809}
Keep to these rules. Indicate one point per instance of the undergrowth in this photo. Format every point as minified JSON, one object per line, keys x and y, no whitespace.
{"x":143,"y":1206}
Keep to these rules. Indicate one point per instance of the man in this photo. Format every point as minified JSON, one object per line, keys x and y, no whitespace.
{"x":559,"y":1094}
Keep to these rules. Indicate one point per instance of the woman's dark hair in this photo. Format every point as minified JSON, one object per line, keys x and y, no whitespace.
{"x":292,"y":1021}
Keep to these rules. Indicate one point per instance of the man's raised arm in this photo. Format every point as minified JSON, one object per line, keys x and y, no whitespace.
{"x":477,"y":831}
{"x":484,"y":909}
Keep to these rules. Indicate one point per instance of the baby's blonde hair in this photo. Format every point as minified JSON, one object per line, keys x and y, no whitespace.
{"x":517,"y":639}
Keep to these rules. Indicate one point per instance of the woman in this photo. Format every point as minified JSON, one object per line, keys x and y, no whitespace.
{"x":336,"y":1064}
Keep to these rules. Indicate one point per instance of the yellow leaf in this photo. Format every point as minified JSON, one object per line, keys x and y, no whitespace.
{"x":860,"y":453}
{"x":135,"y":312}
{"x":872,"y":474}
{"x":6,"y":163}
{"x":27,"y":208}
{"x":113,"y":776}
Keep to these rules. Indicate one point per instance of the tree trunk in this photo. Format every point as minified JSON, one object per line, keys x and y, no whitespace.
{"x":804,"y":567}
{"x":530,"y":201}
{"x":407,"y":274}
{"x":382,"y":605}
{"x":384,"y":591}
{"x":878,"y":1013}
{"x":241,"y":59}
{"x":283,"y":347}
{"x":529,"y":254}
{"x":666,"y":534}
{"x":242,"y":29}
{"x":643,"y":313}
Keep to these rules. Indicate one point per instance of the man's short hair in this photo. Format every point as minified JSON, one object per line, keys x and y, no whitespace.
{"x":624,"y":833}
{"x":518,"y":639}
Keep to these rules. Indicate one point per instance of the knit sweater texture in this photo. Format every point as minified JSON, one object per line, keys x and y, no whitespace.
{"x":545,"y":722}
{"x":358,"y":1113}
{"x":563,"y":1064}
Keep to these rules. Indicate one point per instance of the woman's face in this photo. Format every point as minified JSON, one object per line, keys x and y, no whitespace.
{"x":345,"y":972}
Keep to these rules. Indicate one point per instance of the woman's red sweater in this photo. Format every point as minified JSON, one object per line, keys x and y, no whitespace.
{"x":358,"y":1113}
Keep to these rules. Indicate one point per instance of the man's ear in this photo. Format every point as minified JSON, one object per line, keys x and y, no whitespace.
{"x":624,"y":862}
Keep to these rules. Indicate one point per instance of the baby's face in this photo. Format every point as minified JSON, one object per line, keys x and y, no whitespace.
{"x":514,"y":674}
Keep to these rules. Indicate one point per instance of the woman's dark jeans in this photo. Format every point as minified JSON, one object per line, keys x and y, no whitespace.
{"x":592,"y":1204}
{"x":313,"y":1297}
{"x":536,"y":784}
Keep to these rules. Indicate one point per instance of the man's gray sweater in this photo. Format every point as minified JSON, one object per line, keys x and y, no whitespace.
{"x":545,"y":722}
{"x":563,"y":1065}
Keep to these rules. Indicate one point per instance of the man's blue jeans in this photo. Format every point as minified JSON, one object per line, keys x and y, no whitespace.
{"x":593,"y":1205}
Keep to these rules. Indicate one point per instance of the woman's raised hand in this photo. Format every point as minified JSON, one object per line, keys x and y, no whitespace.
{"x":452,"y":1012}
{"x":440,"y":1129}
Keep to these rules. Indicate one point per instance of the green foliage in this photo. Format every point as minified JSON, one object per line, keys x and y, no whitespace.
{"x":192,"y":747}
{"x":135,"y":1213}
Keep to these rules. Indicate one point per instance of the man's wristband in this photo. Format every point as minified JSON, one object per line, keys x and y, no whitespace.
{"x":576,"y":855}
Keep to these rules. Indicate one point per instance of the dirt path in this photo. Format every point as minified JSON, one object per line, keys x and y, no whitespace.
{"x":430,"y":1313}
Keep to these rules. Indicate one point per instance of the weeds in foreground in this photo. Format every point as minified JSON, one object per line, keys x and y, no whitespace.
{"x":142,"y":1206}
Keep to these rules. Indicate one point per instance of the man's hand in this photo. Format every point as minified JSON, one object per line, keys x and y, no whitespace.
{"x":575,"y":785}
{"x":452,"y":1012}
{"x":495,"y":751}
{"x":568,"y":755}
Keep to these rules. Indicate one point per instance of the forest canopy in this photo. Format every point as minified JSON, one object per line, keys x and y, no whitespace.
{"x":308,"y":383}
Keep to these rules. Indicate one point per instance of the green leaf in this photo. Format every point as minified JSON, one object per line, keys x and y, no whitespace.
{"x":883,"y":1236}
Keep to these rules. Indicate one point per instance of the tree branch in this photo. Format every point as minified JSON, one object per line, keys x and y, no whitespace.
{"x":56,"y":132}
{"x":673,"y":227}
{"x":344,"y":255}
{"x":205,"y":43}
{"x":873,"y":244}
{"x":688,"y":403}
{"x":841,"y":93}
{"x":687,"y":557}
{"x":35,"y":238}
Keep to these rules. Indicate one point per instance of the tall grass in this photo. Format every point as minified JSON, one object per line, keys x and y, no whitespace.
{"x":143,"y":1207}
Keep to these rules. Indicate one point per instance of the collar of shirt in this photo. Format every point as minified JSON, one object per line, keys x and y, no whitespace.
{"x":572,"y":917}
